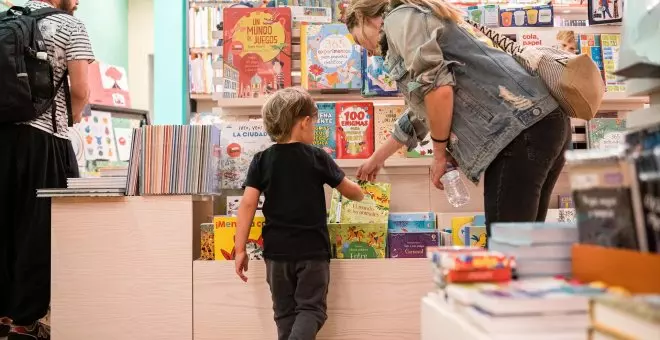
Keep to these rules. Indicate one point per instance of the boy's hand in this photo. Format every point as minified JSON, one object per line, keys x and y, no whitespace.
{"x":241,"y":261}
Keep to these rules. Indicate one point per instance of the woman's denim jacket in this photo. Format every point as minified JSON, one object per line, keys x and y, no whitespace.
{"x":495,"y":99}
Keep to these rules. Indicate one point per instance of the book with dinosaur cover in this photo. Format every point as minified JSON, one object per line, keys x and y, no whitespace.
{"x":326,"y":128}
{"x":330,"y":58}
{"x":257,"y":43}
{"x":355,"y":130}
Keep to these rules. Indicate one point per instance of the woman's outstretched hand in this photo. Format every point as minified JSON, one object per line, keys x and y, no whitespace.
{"x":369,"y":169}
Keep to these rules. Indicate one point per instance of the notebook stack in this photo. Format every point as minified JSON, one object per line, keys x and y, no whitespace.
{"x":539,"y":309}
{"x":540,"y":249}
{"x":179,"y":160}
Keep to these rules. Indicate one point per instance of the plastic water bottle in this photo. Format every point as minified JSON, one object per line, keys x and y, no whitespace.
{"x":457,"y":193}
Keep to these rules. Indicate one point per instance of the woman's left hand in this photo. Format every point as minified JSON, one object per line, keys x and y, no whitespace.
{"x":369,"y":169}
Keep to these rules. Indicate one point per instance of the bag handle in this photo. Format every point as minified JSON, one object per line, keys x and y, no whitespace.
{"x":501,"y":40}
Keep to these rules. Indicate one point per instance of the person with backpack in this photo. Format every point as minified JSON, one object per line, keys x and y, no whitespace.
{"x":44,"y":57}
{"x":482,"y":109}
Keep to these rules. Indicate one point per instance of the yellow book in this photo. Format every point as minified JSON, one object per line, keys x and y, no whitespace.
{"x":457,"y":225}
{"x":225,"y":236}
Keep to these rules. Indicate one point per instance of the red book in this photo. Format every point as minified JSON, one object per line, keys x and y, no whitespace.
{"x":257,"y":46}
{"x":489,"y":275}
{"x":355,"y":130}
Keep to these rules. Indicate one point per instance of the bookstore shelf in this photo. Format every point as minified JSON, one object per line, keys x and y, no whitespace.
{"x":611,"y":101}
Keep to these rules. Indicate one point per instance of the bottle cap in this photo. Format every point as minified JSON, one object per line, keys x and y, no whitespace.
{"x":42,"y":55}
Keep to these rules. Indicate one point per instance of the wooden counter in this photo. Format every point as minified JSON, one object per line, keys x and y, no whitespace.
{"x":122,"y":268}
{"x":377,"y":299}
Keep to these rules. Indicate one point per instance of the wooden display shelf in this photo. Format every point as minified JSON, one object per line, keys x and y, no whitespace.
{"x":635,"y":271}
{"x":378,"y":298}
{"x":201,"y":96}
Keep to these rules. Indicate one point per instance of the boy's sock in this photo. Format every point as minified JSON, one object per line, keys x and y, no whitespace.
{"x":36,"y":331}
{"x":4,"y":326}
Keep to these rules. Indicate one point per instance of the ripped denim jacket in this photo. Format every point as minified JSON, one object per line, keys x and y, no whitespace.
{"x":495,"y":99}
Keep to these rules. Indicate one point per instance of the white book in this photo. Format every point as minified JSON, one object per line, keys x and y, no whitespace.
{"x":530,"y":324}
{"x":540,"y":267}
{"x":536,"y":232}
{"x":528,"y":251}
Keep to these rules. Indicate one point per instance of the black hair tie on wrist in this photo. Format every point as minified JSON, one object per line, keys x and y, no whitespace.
{"x":440,"y":140}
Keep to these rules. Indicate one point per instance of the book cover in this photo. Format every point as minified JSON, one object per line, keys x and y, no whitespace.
{"x":535,"y":232}
{"x":611,"y":46}
{"x":355,"y":130}
{"x":225,"y":243}
{"x":590,"y":45}
{"x":375,"y":79}
{"x":257,"y":43}
{"x":605,"y":217}
{"x":108,"y":85}
{"x":207,"y":242}
{"x":411,"y":222}
{"x":565,"y":201}
{"x":358,"y":241}
{"x":374,"y":208}
{"x":233,"y":202}
{"x":326,"y":128}
{"x":423,"y":149}
{"x":330,"y":58}
{"x":606,"y":133}
{"x":385,"y":117}
{"x":457,"y":226}
{"x":240,"y":141}
{"x":411,"y":245}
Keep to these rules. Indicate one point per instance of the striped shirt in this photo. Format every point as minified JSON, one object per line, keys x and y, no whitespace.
{"x":66,"y":40}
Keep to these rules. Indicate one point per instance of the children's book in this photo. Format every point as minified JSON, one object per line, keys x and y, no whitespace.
{"x":411,"y":222}
{"x":606,"y":133}
{"x":374,"y":208}
{"x":240,"y":141}
{"x":330,"y":58}
{"x":375,"y":79}
{"x":355,"y":130}
{"x":358,"y":241}
{"x":423,"y":149}
{"x":234,"y":202}
{"x":385,"y":119}
{"x":257,"y":43}
{"x":207,"y":242}
{"x":225,"y":238}
{"x":326,"y":128}
{"x":411,"y":245}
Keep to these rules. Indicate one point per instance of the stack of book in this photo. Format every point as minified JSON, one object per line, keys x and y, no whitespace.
{"x":469,"y":265}
{"x":111,"y":182}
{"x":540,"y":249}
{"x":625,"y":317}
{"x":537,"y":309}
{"x":410,"y":234}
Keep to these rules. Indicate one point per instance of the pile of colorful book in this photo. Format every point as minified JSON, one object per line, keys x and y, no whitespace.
{"x":469,"y":265}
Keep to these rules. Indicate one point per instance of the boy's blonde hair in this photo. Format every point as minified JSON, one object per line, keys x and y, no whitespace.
{"x":283,"y":109}
{"x":566,"y":36}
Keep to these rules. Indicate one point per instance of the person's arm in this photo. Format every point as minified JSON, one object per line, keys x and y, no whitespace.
{"x":334,"y":176}
{"x":79,"y":87}
{"x":350,"y":190}
{"x":246,"y":212}
{"x":417,"y":43}
{"x":79,"y":55}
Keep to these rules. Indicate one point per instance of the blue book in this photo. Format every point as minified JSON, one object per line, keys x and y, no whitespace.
{"x":411,"y":222}
{"x":325,"y":129}
{"x":375,"y":79}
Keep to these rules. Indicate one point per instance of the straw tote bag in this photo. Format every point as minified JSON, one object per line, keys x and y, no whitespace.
{"x":573,"y":80}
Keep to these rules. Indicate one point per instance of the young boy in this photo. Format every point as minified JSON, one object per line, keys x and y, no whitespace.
{"x":566,"y":41}
{"x":291,"y":175}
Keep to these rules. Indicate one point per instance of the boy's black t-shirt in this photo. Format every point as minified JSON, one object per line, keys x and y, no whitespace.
{"x":291,"y":177}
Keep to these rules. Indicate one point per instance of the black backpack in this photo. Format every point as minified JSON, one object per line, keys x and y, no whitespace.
{"x":26,"y":76}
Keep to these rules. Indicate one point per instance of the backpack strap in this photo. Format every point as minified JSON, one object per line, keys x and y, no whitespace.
{"x":67,"y":95}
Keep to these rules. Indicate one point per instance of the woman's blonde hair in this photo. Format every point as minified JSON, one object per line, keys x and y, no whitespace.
{"x":360,"y":10}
